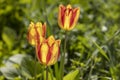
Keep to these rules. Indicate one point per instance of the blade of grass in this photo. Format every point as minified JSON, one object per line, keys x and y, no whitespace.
{"x":101,"y":50}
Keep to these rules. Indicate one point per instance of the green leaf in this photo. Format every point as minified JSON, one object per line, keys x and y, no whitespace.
{"x":113,"y":73}
{"x":10,"y":72}
{"x":11,"y":69}
{"x":72,"y":75}
{"x":2,"y":78}
{"x":20,"y":66}
{"x":101,"y":50}
{"x":8,"y":36}
{"x":28,"y":66}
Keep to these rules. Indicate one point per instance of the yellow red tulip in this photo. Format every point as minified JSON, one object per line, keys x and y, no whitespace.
{"x":36,"y":32}
{"x":68,"y":17}
{"x":48,"y":51}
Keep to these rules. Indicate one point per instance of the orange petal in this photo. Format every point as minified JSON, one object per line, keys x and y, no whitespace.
{"x":61,"y":16}
{"x":44,"y":30}
{"x":38,"y":52}
{"x":74,"y":18}
{"x":54,"y":53}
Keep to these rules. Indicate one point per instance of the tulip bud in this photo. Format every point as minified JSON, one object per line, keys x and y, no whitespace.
{"x":68,"y":17}
{"x":36,"y":33}
{"x":48,"y":51}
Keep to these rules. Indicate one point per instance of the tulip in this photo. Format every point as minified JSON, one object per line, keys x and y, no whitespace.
{"x":36,"y":33}
{"x":68,"y":17}
{"x":48,"y":51}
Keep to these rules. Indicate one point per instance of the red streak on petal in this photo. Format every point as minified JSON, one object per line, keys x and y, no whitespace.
{"x":73,"y":17}
{"x":62,"y":15}
{"x":39,"y":54}
{"x":37,"y":35}
{"x":69,"y":10}
{"x":29,"y":36}
{"x":44,"y":30}
{"x":49,"y":54}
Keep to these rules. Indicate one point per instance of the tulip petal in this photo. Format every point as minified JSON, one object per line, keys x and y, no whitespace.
{"x":31,"y":33}
{"x":54,"y":53}
{"x":38,"y":52}
{"x":58,"y":42}
{"x":68,"y":15}
{"x":39,"y":27}
{"x":74,"y":17}
{"x":48,"y":56}
{"x":69,"y":6}
{"x":50,"y":40}
{"x":44,"y":50}
{"x":36,"y":33}
{"x":61,"y":15}
{"x":48,"y":51}
{"x":44,"y":30}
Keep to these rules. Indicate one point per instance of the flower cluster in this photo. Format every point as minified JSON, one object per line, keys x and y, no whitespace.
{"x":36,"y":33}
{"x":48,"y":49}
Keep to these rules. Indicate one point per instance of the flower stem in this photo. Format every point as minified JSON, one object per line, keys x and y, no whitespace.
{"x":46,"y":72}
{"x":63,"y":57}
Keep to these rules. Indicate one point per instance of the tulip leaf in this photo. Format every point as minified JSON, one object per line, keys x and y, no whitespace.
{"x":72,"y":75}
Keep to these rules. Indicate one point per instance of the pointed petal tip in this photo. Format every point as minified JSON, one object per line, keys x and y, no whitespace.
{"x":78,"y":9}
{"x":44,"y":23}
{"x":31,"y":22}
{"x":69,"y":6}
{"x":51,"y":40}
{"x":51,"y":37}
{"x":38,"y":24}
{"x":61,"y":5}
{"x":58,"y":41}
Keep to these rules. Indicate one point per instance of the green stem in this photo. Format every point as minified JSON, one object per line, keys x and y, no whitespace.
{"x":63,"y":57}
{"x":46,"y":72}
{"x":35,"y":67}
{"x":56,"y":71}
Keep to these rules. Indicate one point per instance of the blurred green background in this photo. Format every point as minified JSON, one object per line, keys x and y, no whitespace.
{"x":93,"y":45}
